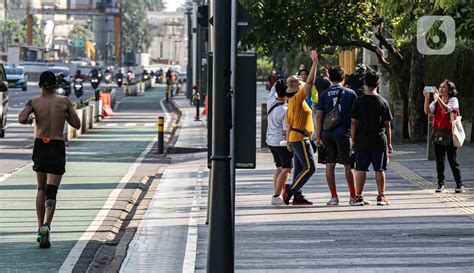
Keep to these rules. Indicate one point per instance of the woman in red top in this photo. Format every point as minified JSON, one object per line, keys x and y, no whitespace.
{"x":444,"y":103}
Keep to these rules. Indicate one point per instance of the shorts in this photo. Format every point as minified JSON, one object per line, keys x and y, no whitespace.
{"x":337,"y":149}
{"x":282,"y":157}
{"x":49,"y":157}
{"x":379,"y":160}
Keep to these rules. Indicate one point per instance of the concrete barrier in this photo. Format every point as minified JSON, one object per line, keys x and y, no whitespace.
{"x":131,"y":90}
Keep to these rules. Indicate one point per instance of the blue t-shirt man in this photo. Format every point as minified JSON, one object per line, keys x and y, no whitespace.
{"x":327,"y":102}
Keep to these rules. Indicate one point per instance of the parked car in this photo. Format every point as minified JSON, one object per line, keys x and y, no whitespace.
{"x":16,"y":77}
{"x":3,"y":100}
{"x":183,"y":76}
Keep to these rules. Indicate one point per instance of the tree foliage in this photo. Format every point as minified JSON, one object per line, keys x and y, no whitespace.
{"x":380,"y":26}
{"x":156,"y":5}
{"x":136,"y":28}
{"x":14,"y":32}
{"x":79,"y":31}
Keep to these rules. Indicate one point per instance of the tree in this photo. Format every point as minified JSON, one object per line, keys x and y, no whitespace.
{"x":380,"y":26}
{"x":136,"y":29}
{"x":156,"y":5}
{"x":15,"y":32}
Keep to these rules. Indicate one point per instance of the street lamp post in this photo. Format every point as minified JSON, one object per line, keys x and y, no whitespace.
{"x":189,"y":71}
{"x":220,"y":254}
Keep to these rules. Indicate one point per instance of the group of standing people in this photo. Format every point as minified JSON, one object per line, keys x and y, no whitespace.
{"x":343,"y":126}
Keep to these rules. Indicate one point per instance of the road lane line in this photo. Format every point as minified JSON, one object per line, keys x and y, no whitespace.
{"x":76,"y":251}
{"x":111,"y":124}
{"x":189,"y":262}
{"x":130,"y":124}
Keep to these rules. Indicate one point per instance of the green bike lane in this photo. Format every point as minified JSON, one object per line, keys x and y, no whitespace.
{"x":96,"y":163}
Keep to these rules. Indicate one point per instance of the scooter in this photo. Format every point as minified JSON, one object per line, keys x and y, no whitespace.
{"x":78,"y":88}
{"x":108,"y":77}
{"x":130,"y":77}
{"x":60,"y":91}
{"x":95,"y":82}
{"x":119,"y":82}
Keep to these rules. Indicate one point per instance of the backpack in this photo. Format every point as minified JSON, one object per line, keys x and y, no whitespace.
{"x":333,"y":118}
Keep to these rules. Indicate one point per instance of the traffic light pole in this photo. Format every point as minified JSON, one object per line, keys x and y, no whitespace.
{"x":220,"y":254}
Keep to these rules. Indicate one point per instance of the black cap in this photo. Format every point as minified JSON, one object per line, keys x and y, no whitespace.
{"x":47,"y":80}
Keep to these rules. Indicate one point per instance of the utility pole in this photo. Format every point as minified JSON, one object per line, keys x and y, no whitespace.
{"x":189,"y":71}
{"x":220,"y":254}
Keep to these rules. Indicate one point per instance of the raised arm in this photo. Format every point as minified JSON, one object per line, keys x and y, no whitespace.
{"x":312,"y":73}
{"x":71,"y":116}
{"x":24,"y":116}
{"x":427,"y":102}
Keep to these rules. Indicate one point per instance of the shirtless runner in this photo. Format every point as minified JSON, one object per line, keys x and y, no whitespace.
{"x":49,"y":154}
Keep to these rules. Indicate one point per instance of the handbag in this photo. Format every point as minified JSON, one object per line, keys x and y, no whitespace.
{"x":458,"y":131}
{"x":441,"y":136}
{"x":333,"y":118}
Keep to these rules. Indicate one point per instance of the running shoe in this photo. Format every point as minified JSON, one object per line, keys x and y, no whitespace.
{"x":459,"y":189}
{"x":277,"y":201}
{"x":440,"y":189}
{"x":301,"y":201}
{"x":357,"y":201}
{"x":287,"y":193}
{"x":333,"y":202}
{"x":44,"y":237}
{"x":38,"y":238}
{"x":382,"y":200}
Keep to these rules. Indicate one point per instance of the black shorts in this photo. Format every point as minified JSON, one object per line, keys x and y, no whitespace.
{"x":49,"y":157}
{"x":337,"y":149}
{"x":282,"y":157}
{"x":379,"y":161}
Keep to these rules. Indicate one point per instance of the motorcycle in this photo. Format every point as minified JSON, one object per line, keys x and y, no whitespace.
{"x":119,"y":82}
{"x":130,"y":77}
{"x":65,"y":87}
{"x":60,"y":91}
{"x":95,"y":82}
{"x":108,"y":77}
{"x":78,"y":88}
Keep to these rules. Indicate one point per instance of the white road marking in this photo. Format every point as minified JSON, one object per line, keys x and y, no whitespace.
{"x":76,"y":251}
{"x":189,"y":262}
{"x":130,"y":124}
{"x":150,"y":124}
{"x":111,"y":124}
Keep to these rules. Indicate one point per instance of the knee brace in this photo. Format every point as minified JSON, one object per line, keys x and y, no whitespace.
{"x":51,"y":192}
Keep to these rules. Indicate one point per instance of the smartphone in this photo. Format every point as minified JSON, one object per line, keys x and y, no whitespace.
{"x":430,"y":89}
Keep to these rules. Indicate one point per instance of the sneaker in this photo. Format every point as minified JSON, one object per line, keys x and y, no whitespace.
{"x":459,"y":189}
{"x":333,"y":202}
{"x":382,"y":200}
{"x":287,"y":193}
{"x":301,"y":201}
{"x":44,"y":237}
{"x":38,"y":238}
{"x":357,"y":201}
{"x":440,"y":189}
{"x":277,"y":201}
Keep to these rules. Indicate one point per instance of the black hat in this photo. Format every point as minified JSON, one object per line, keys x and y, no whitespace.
{"x":47,"y":80}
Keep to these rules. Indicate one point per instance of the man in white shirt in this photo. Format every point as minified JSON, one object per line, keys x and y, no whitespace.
{"x":276,"y":132}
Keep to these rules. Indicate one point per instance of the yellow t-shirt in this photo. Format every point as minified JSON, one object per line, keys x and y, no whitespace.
{"x":299,"y":116}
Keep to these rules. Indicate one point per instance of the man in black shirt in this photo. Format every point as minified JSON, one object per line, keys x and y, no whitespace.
{"x":355,"y":81}
{"x":371,"y":137}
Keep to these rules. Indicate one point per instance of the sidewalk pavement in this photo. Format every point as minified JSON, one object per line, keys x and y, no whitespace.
{"x":166,"y":237}
{"x":102,"y":170}
{"x":420,"y":232}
